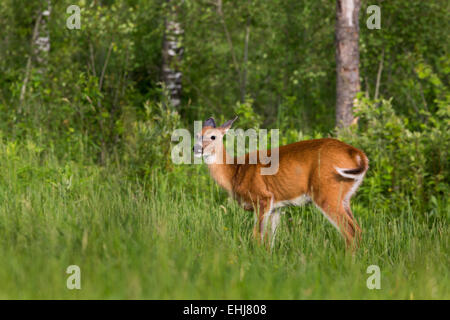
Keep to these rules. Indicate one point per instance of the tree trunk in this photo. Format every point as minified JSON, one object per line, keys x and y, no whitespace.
{"x":347,"y":59}
{"x":40,"y":43}
{"x":172,"y":53}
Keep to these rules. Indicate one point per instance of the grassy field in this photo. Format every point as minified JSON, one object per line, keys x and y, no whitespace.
{"x":177,"y":236}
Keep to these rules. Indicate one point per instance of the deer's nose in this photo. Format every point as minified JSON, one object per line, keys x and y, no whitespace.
{"x":197,"y":148}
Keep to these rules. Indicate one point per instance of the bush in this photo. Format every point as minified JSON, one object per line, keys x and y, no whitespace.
{"x":405,"y":165}
{"x":147,"y":145}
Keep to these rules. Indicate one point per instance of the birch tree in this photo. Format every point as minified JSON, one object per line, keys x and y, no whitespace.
{"x":42,"y":41}
{"x":347,"y":59}
{"x":172,"y":53}
{"x":40,"y":44}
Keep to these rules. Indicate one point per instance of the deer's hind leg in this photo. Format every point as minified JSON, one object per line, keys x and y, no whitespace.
{"x":334,"y":202}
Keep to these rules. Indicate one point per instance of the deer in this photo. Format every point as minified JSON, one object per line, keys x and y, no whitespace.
{"x":326,"y":172}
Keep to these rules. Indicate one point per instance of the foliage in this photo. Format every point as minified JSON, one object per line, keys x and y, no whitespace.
{"x":147,"y":143}
{"x":101,"y":75}
{"x":404,"y":164}
{"x":248,"y":118}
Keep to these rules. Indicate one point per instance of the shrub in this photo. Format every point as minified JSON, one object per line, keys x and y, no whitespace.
{"x":147,"y":145}
{"x":405,"y":164}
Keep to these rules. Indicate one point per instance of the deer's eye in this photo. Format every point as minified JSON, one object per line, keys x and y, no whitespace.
{"x":213,"y":137}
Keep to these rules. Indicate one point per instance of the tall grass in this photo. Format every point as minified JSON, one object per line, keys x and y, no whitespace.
{"x":174,"y":235}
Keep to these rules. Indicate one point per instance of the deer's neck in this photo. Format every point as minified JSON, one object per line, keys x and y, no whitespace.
{"x":223,"y":171}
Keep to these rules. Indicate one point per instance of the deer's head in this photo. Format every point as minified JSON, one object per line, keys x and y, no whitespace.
{"x":209,"y":142}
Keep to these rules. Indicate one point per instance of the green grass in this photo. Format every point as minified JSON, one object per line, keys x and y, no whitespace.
{"x":176,"y":236}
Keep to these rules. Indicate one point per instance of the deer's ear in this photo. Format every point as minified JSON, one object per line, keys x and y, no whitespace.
{"x":210,"y":123}
{"x":227,"y":125}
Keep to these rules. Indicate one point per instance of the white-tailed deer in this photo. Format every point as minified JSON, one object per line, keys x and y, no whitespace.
{"x":325,"y":171}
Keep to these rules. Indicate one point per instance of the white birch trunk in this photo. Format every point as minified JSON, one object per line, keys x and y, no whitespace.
{"x":172,"y":54}
{"x":347,"y":59}
{"x":42,"y":41}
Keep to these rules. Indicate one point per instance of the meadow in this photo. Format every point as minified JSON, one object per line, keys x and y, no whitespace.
{"x":87,"y":115}
{"x":175,"y":235}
